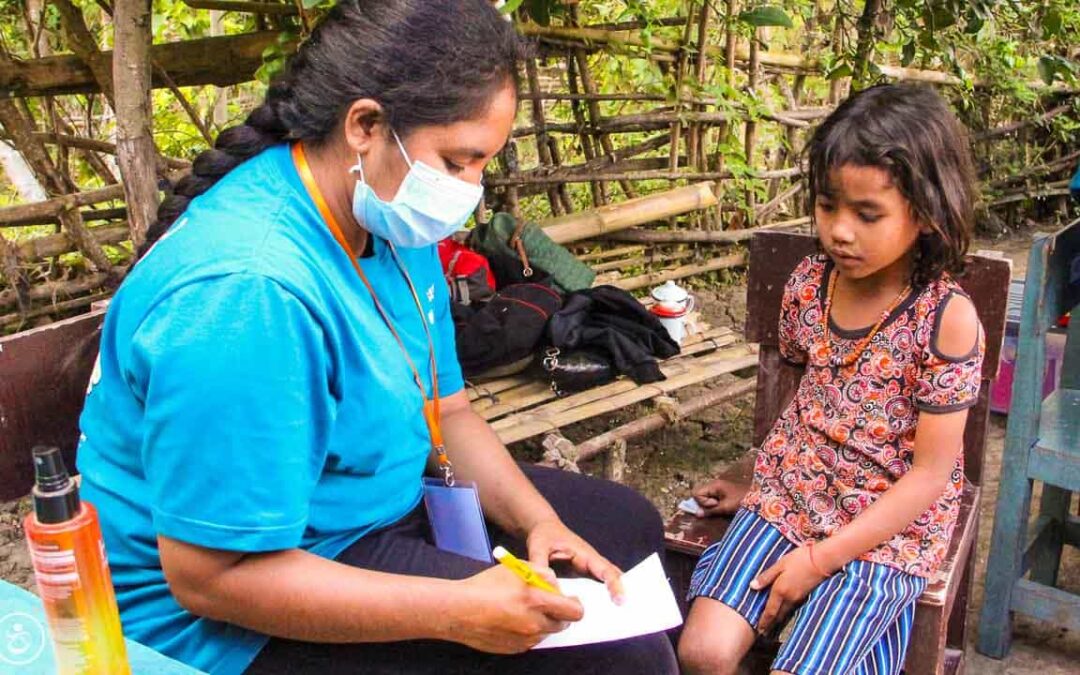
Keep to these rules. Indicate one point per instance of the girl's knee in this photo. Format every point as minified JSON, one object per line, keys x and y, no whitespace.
{"x":708,"y":652}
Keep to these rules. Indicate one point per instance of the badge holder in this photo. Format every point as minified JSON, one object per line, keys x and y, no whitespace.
{"x":457,"y":521}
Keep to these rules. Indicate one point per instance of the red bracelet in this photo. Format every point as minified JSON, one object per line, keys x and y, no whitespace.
{"x":810,"y":550}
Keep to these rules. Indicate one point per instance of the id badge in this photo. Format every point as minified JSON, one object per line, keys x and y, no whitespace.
{"x":457,"y":522}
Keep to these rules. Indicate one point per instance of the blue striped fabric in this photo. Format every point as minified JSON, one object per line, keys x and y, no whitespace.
{"x":855,"y":622}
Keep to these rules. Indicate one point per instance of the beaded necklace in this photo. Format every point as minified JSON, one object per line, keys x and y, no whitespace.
{"x":846,"y":361}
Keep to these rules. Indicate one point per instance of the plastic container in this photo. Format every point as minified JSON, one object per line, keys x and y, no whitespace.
{"x":72,"y":574}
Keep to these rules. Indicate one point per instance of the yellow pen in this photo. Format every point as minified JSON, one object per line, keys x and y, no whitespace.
{"x":522,"y":569}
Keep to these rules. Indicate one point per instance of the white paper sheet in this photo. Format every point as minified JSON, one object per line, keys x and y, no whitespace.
{"x":649,"y":607}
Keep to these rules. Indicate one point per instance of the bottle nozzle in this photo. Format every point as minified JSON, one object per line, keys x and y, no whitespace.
{"x":55,"y":495}
{"x":50,"y":473}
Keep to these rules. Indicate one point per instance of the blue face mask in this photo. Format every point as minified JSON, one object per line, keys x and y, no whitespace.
{"x":429,"y":205}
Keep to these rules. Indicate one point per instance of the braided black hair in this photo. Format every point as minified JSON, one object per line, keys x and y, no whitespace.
{"x":426,"y":63}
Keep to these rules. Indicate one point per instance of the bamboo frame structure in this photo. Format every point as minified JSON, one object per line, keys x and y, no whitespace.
{"x":597,"y":145}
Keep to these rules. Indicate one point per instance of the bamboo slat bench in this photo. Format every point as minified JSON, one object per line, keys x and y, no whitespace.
{"x":939,"y":633}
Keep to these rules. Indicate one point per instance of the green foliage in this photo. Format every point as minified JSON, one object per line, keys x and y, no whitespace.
{"x":766,"y":15}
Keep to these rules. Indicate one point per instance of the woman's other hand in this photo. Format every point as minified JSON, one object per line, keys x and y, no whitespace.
{"x":551,"y":541}
{"x":720,"y":497}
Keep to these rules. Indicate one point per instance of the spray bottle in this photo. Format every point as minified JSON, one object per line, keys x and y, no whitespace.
{"x":72,"y":573}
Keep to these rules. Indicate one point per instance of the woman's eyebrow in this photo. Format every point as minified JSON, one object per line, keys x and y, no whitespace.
{"x":470,"y":152}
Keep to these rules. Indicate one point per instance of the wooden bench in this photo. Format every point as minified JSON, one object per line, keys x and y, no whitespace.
{"x":939,"y":633}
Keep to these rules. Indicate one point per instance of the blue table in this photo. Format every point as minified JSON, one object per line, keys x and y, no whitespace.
{"x":25,"y":646}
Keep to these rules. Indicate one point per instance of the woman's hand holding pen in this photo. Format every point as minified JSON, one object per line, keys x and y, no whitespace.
{"x":501,"y":614}
{"x":551,"y":541}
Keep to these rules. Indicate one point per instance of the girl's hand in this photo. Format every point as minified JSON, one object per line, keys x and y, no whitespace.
{"x":551,"y":540}
{"x":720,"y":497}
{"x":792,"y":578}
{"x":503,"y":615}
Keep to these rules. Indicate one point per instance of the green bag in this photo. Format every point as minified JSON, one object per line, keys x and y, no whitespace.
{"x":495,"y":237}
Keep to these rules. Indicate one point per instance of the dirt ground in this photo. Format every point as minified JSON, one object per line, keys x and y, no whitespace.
{"x":666,"y":464}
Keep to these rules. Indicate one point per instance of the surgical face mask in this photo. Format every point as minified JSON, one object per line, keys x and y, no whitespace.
{"x":429,"y":205}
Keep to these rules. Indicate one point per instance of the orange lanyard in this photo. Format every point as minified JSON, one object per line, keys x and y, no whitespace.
{"x":431,"y":406}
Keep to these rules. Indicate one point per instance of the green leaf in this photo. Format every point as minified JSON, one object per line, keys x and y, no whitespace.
{"x":510,"y":6}
{"x":908,"y":54}
{"x":1051,"y":23}
{"x":768,"y":15}
{"x":1051,"y":66}
{"x":841,"y":70}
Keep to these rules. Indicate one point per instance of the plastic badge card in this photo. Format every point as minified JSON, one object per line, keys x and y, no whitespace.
{"x":457,"y":522}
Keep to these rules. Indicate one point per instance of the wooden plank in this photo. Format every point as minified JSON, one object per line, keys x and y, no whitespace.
{"x":530,"y":392}
{"x":1059,"y":424}
{"x":567,"y":411}
{"x":1056,"y":467}
{"x":43,"y":378}
{"x":1054,"y":605}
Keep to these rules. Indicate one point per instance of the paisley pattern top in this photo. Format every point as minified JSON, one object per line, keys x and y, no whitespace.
{"x":849,"y":432}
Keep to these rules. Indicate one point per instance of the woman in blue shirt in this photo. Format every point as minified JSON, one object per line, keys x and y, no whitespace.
{"x":278,"y":372}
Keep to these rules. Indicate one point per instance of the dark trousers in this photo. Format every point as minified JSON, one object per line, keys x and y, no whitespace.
{"x":621,"y":524}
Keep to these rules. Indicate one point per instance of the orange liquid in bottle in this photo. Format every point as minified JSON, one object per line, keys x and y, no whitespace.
{"x":73,"y":574}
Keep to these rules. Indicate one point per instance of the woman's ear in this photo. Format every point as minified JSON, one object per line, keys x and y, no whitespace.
{"x":363,"y":120}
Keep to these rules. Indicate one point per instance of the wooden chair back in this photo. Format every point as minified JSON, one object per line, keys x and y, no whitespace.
{"x":44,"y":373}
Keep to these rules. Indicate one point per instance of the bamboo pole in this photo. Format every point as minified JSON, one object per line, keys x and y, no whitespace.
{"x":598,"y":189}
{"x":750,"y":137}
{"x":641,"y":426}
{"x":52,"y":208}
{"x":688,"y":236}
{"x":662,"y":174}
{"x":494,"y":391}
{"x":584,"y":96}
{"x":649,"y":259}
{"x":593,"y":108}
{"x":244,"y":6}
{"x":613,"y":217}
{"x":19,"y":319}
{"x":60,"y":243}
{"x":88,"y":215}
{"x":564,"y":411}
{"x":94,"y":145}
{"x":543,"y":149}
{"x":695,"y":153}
{"x":11,"y":266}
{"x":53,"y":289}
{"x":516,"y":401}
{"x":654,"y":121}
{"x":773,"y":59}
{"x":611,"y":253}
{"x":654,"y":278}
{"x":761,"y":215}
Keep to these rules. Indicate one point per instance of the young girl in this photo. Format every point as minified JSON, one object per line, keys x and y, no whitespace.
{"x":857,"y":487}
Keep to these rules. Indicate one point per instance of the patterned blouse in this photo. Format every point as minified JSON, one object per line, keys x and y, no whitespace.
{"x":849,"y":432}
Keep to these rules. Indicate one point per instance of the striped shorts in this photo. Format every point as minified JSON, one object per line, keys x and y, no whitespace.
{"x":856,"y":621}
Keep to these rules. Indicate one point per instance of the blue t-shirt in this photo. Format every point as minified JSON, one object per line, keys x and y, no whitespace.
{"x":249,"y":397}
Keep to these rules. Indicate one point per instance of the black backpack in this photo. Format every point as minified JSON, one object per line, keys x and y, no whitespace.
{"x":504,"y":330}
